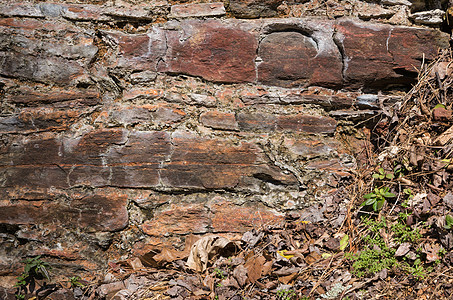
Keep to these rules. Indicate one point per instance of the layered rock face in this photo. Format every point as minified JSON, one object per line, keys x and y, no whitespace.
{"x":129,"y":127}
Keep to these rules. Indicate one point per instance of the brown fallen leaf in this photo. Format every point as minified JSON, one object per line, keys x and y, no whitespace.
{"x":287,"y":279}
{"x":431,"y":251}
{"x":240,"y":274}
{"x":312,"y":257}
{"x":403,"y":249}
{"x":204,"y":249}
{"x":254,"y":267}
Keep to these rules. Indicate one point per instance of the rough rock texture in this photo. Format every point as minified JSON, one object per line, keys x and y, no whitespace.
{"x":136,"y":124}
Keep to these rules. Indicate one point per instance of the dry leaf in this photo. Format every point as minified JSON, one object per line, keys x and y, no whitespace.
{"x":240,"y":274}
{"x":254,"y":267}
{"x":431,"y":251}
{"x":403,"y":249}
{"x":204,"y":249}
{"x":288,"y":278}
{"x":312,"y":257}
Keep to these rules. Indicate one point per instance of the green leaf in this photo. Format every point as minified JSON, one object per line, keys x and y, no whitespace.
{"x":382,"y":176}
{"x":381,"y":170}
{"x":448,"y":222}
{"x":370,"y":201}
{"x":344,"y":242}
{"x":389,"y":195}
{"x":369,"y":196}
{"x":375,"y":176}
{"x":375,"y":206}
{"x":379,"y":204}
{"x":440,"y":105}
{"x":389,"y":176}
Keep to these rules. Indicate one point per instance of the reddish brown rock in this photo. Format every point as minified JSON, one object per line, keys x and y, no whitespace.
{"x":57,"y":97}
{"x":377,"y":55}
{"x":295,"y":59}
{"x":258,"y":122}
{"x":136,"y":51}
{"x":250,"y":9}
{"x":137,"y":164}
{"x":36,"y":120}
{"x":213,"y":50}
{"x":306,"y":123}
{"x":228,"y":217}
{"x":180,"y":219}
{"x":442,"y":114}
{"x":147,"y":114}
{"x":201,"y":163}
{"x":219,"y":120}
{"x":82,"y":211}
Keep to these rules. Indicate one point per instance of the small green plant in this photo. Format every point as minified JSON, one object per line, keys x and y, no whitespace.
{"x":377,"y":198}
{"x":286,"y":294}
{"x":404,"y":233}
{"x":417,"y":270}
{"x":219,"y":273}
{"x":381,"y":174}
{"x":74,"y":281}
{"x":448,"y":222}
{"x":34,"y":269}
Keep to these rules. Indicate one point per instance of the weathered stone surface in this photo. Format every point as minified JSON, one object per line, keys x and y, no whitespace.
{"x":115,"y":157}
{"x":57,"y":97}
{"x":250,"y":9}
{"x":295,"y":123}
{"x":228,"y":217}
{"x":379,"y":55}
{"x":311,"y":148}
{"x":256,"y":122}
{"x":313,"y":95}
{"x":299,"y":53}
{"x":136,"y":51}
{"x":159,"y":115}
{"x":201,"y":163}
{"x":305,"y":123}
{"x":214,"y":9}
{"x":430,"y":17}
{"x":213,"y":50}
{"x":219,"y":120}
{"x":137,"y":163}
{"x":102,"y":212}
{"x":181,"y":219}
{"x":368,"y":11}
{"x":34,"y":56}
{"x":37,"y":120}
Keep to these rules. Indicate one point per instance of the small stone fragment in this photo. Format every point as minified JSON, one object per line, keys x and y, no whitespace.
{"x":430,"y":17}
{"x":368,"y":11}
{"x":396,"y":2}
{"x":401,"y":17}
{"x":215,"y":9}
{"x":368,"y":101}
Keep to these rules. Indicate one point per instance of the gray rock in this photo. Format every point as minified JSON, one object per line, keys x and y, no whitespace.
{"x":21,"y":10}
{"x":396,"y":2}
{"x":51,"y":9}
{"x":353,"y":115}
{"x":430,"y":17}
{"x":367,"y":101}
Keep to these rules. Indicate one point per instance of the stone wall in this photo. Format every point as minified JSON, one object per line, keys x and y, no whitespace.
{"x":126,"y":126}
